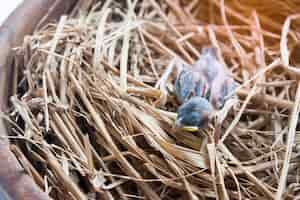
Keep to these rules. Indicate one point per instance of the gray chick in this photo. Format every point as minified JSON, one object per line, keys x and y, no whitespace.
{"x":202,"y":88}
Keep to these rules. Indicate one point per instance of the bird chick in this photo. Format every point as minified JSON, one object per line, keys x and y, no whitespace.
{"x":221,"y":84}
{"x":208,"y":65}
{"x":194,"y":114}
{"x":202,"y":88}
{"x":222,"y":89}
{"x":197,"y":79}
{"x":190,"y":84}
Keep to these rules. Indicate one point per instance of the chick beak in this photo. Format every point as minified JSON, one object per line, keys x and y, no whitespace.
{"x":190,"y":128}
{"x":179,"y":125}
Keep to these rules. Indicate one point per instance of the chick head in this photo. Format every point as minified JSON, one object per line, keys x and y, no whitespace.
{"x":194,"y":114}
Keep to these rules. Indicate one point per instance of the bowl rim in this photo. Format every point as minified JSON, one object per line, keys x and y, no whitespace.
{"x":28,"y":16}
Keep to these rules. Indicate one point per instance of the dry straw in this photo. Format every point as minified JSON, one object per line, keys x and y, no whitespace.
{"x":92,"y":117}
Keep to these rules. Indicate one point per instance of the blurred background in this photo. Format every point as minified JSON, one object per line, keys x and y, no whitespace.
{"x":7,"y":7}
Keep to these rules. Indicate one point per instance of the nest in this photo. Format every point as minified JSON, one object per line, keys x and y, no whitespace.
{"x":90,"y":121}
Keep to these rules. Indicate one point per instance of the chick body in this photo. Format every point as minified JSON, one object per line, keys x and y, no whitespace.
{"x":202,"y":88}
{"x":190,"y":84}
{"x":195,"y":112}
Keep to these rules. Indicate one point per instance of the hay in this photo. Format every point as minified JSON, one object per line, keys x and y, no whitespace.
{"x":92,"y":118}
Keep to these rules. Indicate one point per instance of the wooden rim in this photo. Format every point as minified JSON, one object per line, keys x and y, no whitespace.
{"x":23,"y":21}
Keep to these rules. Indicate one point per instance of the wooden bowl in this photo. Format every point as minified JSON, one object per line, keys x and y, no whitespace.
{"x":14,"y":182}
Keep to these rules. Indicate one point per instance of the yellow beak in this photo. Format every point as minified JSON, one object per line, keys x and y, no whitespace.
{"x":185,"y":128}
{"x":190,"y":128}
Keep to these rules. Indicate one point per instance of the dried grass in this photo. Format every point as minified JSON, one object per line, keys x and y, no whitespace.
{"x":92,"y":119}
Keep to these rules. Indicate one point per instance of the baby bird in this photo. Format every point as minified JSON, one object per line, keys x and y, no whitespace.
{"x":190,"y":84}
{"x":194,"y":114}
{"x":201,"y":88}
{"x":196,"y":79}
{"x":222,"y":85}
{"x":221,"y":90}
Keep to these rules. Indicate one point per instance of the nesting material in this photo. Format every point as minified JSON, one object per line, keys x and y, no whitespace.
{"x":91,"y":120}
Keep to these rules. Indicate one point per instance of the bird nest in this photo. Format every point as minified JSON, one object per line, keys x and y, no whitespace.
{"x":90,"y":121}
